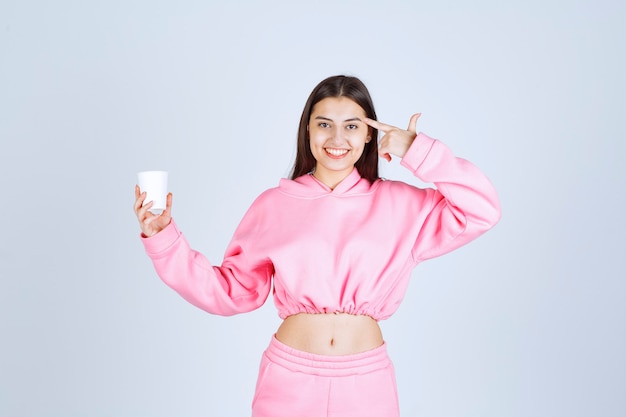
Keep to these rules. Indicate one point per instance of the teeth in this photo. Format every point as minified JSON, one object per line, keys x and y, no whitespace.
{"x":336,"y":152}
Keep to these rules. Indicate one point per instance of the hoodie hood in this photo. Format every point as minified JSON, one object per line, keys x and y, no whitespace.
{"x":308,"y":186}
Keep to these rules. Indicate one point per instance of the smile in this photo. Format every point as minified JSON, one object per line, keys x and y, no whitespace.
{"x":336,"y":152}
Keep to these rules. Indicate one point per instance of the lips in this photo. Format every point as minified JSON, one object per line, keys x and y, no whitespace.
{"x":336,"y":153}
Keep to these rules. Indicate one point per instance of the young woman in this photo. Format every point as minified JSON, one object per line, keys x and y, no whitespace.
{"x":339,"y":244}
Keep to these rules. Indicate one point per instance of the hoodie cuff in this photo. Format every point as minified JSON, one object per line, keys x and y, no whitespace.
{"x":417,"y":152}
{"x":162,"y":240}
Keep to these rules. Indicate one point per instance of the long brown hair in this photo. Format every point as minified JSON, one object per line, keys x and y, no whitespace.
{"x":338,"y":86}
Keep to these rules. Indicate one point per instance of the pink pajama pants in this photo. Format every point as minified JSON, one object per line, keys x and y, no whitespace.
{"x":293,"y":383}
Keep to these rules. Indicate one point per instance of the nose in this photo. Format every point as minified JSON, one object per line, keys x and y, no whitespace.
{"x":336,"y":135}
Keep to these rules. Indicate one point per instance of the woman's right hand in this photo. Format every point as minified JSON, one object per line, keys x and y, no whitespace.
{"x":151,"y":223}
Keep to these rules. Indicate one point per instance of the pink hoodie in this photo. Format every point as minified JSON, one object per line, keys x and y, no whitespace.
{"x":351,"y":249}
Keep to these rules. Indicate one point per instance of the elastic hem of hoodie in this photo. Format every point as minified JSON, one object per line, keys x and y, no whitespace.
{"x":284,"y":313}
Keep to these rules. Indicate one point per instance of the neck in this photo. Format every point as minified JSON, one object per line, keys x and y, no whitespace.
{"x":331,"y":178}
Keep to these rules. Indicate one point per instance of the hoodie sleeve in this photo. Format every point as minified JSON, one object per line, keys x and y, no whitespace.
{"x":241,"y":284}
{"x":463,"y":206}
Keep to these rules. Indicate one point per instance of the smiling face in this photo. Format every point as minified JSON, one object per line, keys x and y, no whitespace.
{"x":337,"y":137}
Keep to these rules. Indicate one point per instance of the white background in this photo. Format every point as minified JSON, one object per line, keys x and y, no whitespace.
{"x":528,"y":320}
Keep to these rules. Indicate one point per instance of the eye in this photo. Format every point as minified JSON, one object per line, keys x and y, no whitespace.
{"x":323,"y":125}
{"x":352,"y":127}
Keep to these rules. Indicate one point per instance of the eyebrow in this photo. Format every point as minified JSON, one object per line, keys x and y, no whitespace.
{"x":353,"y":119}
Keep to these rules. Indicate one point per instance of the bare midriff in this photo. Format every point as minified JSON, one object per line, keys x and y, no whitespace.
{"x":330,"y":334}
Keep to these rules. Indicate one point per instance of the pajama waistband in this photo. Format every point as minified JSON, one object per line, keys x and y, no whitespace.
{"x":327,"y":365}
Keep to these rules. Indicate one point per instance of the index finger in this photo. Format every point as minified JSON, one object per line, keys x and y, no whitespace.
{"x":139,"y":198}
{"x":378,"y":125}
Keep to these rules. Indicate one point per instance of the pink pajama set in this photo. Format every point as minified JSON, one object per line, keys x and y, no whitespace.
{"x":347,"y":250}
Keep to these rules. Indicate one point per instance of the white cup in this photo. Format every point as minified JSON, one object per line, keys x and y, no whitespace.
{"x":154,"y":183}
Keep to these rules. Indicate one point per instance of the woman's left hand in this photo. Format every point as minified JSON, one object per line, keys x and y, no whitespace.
{"x":395,"y":141}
